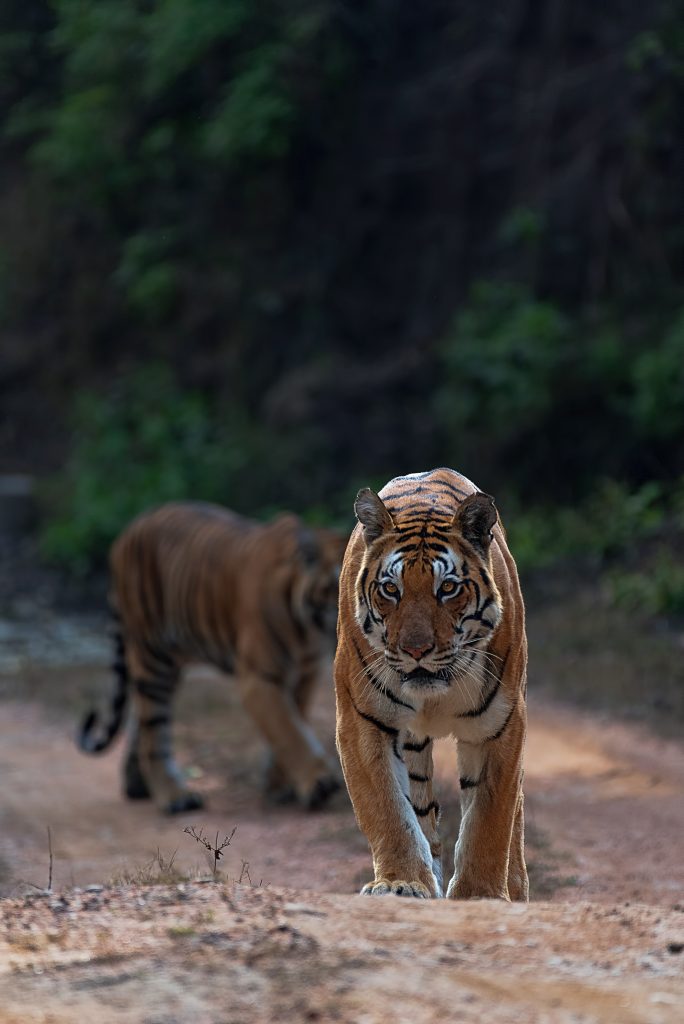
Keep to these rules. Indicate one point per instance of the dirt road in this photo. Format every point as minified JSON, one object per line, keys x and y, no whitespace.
{"x":605,"y":827}
{"x":605,"y":805}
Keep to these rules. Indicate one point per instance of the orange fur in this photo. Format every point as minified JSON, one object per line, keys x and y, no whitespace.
{"x":195,"y":582}
{"x":431,"y":643}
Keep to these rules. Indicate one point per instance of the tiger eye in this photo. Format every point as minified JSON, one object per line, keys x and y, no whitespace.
{"x":391,"y":588}
{"x":448,"y":587}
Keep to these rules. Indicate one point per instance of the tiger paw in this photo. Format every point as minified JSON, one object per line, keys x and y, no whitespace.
{"x":461,"y":889}
{"x":321,"y":792}
{"x":398,"y":887}
{"x":187,"y":801}
{"x":278,"y":789}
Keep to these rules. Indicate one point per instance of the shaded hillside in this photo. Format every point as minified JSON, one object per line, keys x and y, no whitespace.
{"x":290,"y":205}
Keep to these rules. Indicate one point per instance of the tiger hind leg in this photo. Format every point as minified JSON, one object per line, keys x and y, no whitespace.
{"x":150,"y":760}
{"x":135,"y":784}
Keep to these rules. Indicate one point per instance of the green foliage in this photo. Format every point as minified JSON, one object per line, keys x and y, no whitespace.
{"x":148,"y":442}
{"x":500,"y":361}
{"x":254,"y":117}
{"x":219,"y":72}
{"x":608,"y":523}
{"x":658,"y":382}
{"x":657,"y":591}
{"x":522,"y":225}
{"x":147,"y":275}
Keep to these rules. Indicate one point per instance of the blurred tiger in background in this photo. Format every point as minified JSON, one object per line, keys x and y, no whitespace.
{"x":194,"y":582}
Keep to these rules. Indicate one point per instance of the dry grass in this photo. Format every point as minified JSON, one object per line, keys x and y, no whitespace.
{"x":160,"y":870}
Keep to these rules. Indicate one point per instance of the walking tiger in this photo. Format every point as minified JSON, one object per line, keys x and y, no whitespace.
{"x":195,"y":582}
{"x":431,"y":643}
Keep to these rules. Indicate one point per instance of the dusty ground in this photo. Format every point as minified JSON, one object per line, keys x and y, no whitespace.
{"x":606,"y":822}
{"x":231,"y":953}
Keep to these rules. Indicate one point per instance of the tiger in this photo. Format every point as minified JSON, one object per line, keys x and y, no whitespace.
{"x":195,"y":582}
{"x":432,"y":643}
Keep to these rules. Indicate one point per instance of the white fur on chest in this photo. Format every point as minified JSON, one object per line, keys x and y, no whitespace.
{"x":452,"y":712}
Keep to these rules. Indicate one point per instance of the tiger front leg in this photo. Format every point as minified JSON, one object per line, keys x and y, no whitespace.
{"x":277,"y":784}
{"x":296,"y":752}
{"x":135,"y":784}
{"x":379,"y":787}
{"x":489,"y":858}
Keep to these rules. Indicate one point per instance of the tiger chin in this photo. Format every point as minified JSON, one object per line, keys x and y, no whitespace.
{"x":194,"y":582}
{"x":431,"y":643}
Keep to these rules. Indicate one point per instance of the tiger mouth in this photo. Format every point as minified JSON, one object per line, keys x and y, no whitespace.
{"x":423,"y":678}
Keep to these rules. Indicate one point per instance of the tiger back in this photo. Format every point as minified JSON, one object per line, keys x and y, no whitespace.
{"x":194,"y":582}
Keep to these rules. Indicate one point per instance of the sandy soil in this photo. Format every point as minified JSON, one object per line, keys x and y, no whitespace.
{"x":231,"y":953}
{"x":602,"y":943}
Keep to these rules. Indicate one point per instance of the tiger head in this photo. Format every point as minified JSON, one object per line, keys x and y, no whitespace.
{"x":425,"y":593}
{"x":316,"y":589}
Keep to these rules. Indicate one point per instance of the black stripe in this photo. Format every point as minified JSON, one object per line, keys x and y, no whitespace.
{"x":503,"y":728}
{"x":418,"y":746}
{"x":288,"y":596}
{"x":422,"y":812}
{"x":388,"y":693}
{"x":376,"y":683}
{"x":410,"y":524}
{"x":480,"y":710}
{"x":390,"y":730}
{"x":397,"y":495}
{"x":157,"y":692}
{"x":466,"y":783}
{"x":418,"y":778}
{"x":441,"y":548}
{"x":155,"y":657}
{"x":415,"y":508}
{"x":451,"y":487}
{"x":154,"y":721}
{"x":491,"y":695}
{"x":437,"y":535}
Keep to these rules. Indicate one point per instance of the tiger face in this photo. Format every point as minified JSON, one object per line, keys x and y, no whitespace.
{"x":425,"y":594}
{"x":320,"y":555}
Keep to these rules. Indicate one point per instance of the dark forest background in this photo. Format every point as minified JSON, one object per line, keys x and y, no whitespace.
{"x":268,"y":252}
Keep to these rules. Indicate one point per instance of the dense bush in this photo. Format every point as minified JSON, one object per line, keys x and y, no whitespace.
{"x":146,"y":443}
{"x":371,"y":237}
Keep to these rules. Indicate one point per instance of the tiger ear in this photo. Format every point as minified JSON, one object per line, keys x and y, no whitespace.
{"x":474,"y":520}
{"x":372,"y":514}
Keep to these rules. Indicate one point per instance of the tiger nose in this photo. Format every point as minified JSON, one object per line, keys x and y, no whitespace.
{"x":418,"y":652}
